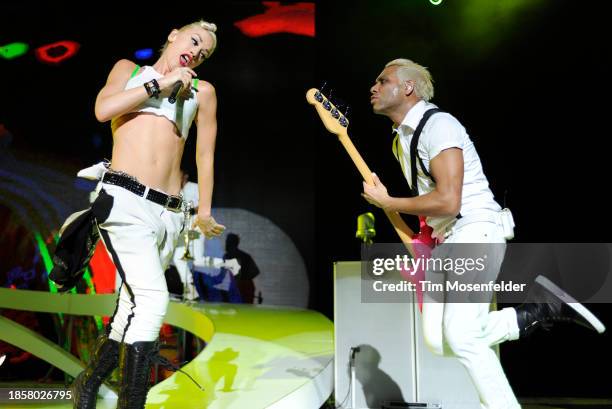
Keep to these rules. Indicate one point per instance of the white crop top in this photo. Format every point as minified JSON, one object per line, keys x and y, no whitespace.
{"x":181,"y":112}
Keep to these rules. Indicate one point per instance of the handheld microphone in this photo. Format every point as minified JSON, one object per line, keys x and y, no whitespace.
{"x":175,"y":91}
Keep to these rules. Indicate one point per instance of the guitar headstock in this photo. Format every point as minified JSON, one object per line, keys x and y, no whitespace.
{"x":334,"y":120}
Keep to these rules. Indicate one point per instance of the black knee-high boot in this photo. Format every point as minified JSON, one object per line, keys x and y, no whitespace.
{"x":135,"y":365}
{"x":104,"y":359}
{"x":135,"y":361}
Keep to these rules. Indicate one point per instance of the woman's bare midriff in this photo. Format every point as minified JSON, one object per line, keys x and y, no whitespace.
{"x":149,"y":148}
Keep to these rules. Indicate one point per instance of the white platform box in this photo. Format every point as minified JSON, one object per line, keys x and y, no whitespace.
{"x":392,"y":364}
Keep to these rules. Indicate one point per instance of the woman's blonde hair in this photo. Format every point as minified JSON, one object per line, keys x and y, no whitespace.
{"x":409,"y":70}
{"x":210,"y":27}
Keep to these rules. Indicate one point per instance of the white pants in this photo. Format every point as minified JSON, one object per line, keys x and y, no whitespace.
{"x":140,"y":236}
{"x":467,"y":331}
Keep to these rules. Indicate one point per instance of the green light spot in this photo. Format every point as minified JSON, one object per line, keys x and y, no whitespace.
{"x":13,"y":50}
{"x":48,"y":262}
{"x":44,"y":252}
{"x":435,"y":2}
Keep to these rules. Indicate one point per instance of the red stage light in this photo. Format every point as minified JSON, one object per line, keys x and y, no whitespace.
{"x":57,"y":52}
{"x":295,"y":18}
{"x":103,"y":270}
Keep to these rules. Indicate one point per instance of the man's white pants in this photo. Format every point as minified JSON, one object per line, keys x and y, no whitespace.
{"x":140,"y":236}
{"x":468,"y":331}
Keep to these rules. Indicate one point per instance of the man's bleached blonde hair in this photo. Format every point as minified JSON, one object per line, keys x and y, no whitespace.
{"x":210,"y":27}
{"x":409,"y":70}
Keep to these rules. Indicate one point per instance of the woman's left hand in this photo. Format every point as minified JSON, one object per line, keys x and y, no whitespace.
{"x":208,"y":225}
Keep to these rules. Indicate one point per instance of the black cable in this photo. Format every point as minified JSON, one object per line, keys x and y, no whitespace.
{"x":351,"y":359}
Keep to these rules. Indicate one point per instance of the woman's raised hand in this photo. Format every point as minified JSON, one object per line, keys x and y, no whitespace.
{"x":183,"y":74}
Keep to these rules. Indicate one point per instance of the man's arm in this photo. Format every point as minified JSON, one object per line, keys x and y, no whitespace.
{"x":444,"y":200}
{"x":206,"y":120}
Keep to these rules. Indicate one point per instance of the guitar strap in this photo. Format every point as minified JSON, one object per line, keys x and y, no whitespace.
{"x":398,"y":152}
{"x":414,"y":154}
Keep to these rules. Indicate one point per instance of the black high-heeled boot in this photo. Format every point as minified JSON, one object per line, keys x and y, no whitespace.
{"x":104,"y":359}
{"x":135,"y":361}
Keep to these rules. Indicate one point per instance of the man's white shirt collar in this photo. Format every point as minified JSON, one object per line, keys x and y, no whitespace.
{"x":413,"y":117}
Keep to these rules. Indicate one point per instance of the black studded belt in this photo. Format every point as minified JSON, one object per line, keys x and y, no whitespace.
{"x":173,"y":203}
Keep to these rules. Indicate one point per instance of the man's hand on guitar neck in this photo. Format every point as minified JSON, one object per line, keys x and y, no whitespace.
{"x":376,"y":193}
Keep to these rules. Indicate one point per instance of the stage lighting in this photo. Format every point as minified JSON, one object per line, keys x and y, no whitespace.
{"x":297,"y":18}
{"x":144,"y":54}
{"x":58,"y":52}
{"x":13,"y":50}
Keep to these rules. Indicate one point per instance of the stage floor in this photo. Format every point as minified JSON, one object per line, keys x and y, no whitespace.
{"x":256,"y":356}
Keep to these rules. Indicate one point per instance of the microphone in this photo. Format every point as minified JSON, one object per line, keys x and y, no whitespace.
{"x":177,"y":88}
{"x":365,"y":227}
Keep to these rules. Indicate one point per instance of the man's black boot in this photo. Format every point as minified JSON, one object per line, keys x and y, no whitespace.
{"x":548,"y":304}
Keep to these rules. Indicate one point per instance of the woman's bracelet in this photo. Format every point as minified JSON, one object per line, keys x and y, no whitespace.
{"x":152,"y":88}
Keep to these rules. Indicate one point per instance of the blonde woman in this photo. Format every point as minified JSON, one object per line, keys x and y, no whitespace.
{"x":139,"y":211}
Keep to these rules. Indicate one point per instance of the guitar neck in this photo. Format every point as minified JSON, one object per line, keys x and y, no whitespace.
{"x":337,"y":123}
{"x":401,"y":228}
{"x":363,"y":168}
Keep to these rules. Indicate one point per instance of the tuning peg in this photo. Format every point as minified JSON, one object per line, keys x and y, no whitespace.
{"x":323,"y":86}
{"x":348,"y":109}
